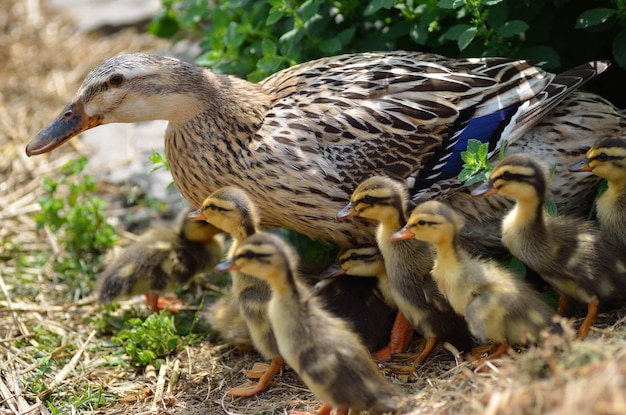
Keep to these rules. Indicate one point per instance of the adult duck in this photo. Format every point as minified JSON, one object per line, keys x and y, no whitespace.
{"x":309,"y":134}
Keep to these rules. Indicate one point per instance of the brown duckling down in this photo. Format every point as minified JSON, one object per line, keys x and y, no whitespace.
{"x":320,"y":347}
{"x":607,"y":159}
{"x":161,"y":259}
{"x":569,"y":253}
{"x":497,"y":305}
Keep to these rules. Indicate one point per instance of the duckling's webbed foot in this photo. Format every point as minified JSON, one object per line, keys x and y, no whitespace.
{"x":427,"y":346}
{"x":493,"y":351}
{"x":257,"y":371}
{"x":592,"y":313}
{"x":399,"y":339}
{"x":265,"y":380}
{"x":564,"y":305}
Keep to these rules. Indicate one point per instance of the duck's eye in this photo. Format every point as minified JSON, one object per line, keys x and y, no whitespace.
{"x":116,"y":79}
{"x":249,"y":255}
{"x":507,"y":175}
{"x":354,"y":256}
{"x":602,"y":157}
{"x":421,"y":222}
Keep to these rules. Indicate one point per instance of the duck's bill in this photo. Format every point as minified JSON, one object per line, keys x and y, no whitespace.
{"x":72,"y":121}
{"x":485,"y":189}
{"x":582,"y":165}
{"x":347,"y":212}
{"x":226,"y":266}
{"x":402,"y":234}
{"x":197,"y":214}
{"x":333,"y":271}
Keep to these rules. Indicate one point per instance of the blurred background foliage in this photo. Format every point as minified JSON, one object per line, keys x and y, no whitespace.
{"x":255,"y":38}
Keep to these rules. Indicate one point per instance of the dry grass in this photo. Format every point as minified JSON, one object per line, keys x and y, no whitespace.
{"x":43,"y":63}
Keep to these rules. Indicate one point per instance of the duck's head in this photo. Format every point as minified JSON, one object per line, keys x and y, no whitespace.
{"x":380,"y":198}
{"x":126,"y":88}
{"x":432,"y":222}
{"x":364,"y":261}
{"x":263,"y":255}
{"x":606,"y":159}
{"x":518,"y":176}
{"x":231,"y":210}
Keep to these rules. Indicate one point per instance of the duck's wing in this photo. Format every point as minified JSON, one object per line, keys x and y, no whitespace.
{"x":407,"y":115}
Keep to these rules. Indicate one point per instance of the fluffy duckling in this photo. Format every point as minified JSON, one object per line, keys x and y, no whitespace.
{"x":320,"y":347}
{"x":496,"y":304}
{"x":366,"y":261}
{"x":607,"y":159}
{"x":568,"y":253}
{"x":161,"y":259}
{"x":408,"y":265}
{"x":231,"y":210}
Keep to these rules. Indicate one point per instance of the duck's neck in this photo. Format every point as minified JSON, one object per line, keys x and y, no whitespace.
{"x":527,"y":212}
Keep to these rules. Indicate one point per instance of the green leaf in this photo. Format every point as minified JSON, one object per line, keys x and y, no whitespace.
{"x":491,"y":2}
{"x":419,"y":33}
{"x":517,"y":267}
{"x":512,"y":28}
{"x":330,"y":45}
{"x":273,"y":16}
{"x":481,"y":177}
{"x":455,"y":31}
{"x":376,"y":5}
{"x":551,"y":208}
{"x":594,"y":17}
{"x":619,"y":48}
{"x":308,"y":10}
{"x":466,"y":37}
{"x":164,"y":26}
{"x":346,"y":36}
{"x":268,"y":47}
{"x":498,"y":15}
{"x":473,"y":146}
{"x":269,"y":64}
{"x":450,"y":4}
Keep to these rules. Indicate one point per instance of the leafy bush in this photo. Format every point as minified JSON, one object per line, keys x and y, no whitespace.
{"x":77,"y":218}
{"x":254,"y":38}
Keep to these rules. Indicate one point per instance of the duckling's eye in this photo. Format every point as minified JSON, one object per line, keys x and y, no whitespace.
{"x":507,"y":175}
{"x":421,"y":222}
{"x":602,"y":157}
{"x":370,"y":200}
{"x":354,"y":256}
{"x":248,"y":255}
{"x":116,"y":79}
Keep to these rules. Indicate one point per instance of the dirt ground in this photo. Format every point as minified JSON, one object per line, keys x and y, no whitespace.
{"x":43,"y":62}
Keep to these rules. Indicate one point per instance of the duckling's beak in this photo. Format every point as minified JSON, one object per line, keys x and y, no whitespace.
{"x":197,"y":214}
{"x":71,"y":121}
{"x":485,"y":189}
{"x":582,"y":165}
{"x":228,"y":265}
{"x":402,"y":234}
{"x":334,"y":270}
{"x":347,"y":212}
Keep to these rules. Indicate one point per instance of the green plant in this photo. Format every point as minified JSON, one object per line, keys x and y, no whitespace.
{"x":608,"y":19}
{"x":147,"y":341}
{"x":476,"y":166}
{"x":77,"y":218}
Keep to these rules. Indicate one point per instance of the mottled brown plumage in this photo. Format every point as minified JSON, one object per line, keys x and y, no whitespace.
{"x":309,"y":134}
{"x":570,"y":254}
{"x":321,"y":348}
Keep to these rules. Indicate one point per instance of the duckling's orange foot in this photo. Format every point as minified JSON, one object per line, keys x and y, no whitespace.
{"x":257,"y":371}
{"x":326,"y":409}
{"x":170,"y":303}
{"x":427,"y":346}
{"x":249,"y":389}
{"x":494,"y":351}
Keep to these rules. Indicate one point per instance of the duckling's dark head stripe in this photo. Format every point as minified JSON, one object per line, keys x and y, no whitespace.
{"x":522,"y":169}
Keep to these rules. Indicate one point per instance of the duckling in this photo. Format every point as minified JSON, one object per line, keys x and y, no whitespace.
{"x":324,"y":351}
{"x":496,"y":304}
{"x":367,"y":261}
{"x":408,"y":265}
{"x":405,"y":114}
{"x":161,"y":259}
{"x":231,"y":210}
{"x":570,"y":254}
{"x":224,"y":317}
{"x":607,"y":159}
